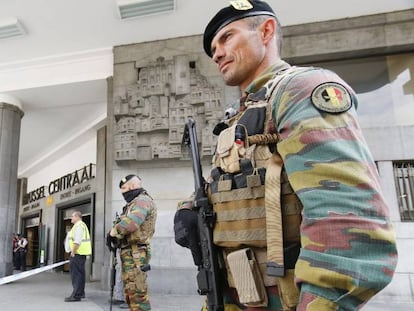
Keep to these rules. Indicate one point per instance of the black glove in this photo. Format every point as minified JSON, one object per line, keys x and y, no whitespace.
{"x":186,"y":232}
{"x":219,"y":128}
{"x":111,"y":242}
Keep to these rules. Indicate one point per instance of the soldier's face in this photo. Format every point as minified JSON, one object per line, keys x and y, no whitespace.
{"x":238,"y":52}
{"x":125,"y":187}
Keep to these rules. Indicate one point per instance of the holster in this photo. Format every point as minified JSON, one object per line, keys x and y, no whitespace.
{"x":247,"y":278}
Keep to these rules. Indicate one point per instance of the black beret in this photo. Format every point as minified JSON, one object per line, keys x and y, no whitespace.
{"x":230,"y":14}
{"x":126,"y":178}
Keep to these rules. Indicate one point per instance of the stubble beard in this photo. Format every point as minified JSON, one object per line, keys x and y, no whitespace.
{"x":231,"y":78}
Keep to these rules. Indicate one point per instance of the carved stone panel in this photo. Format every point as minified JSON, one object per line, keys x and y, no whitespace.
{"x":150,"y":112}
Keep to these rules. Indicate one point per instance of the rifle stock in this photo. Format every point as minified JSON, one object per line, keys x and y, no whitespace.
{"x":208,"y":277}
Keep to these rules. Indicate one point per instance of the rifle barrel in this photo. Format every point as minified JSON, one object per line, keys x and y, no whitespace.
{"x":208,"y":275}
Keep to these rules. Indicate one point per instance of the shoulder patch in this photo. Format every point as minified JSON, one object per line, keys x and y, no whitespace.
{"x":331,"y":97}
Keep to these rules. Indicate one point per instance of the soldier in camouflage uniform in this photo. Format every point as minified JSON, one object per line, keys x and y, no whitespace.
{"x":134,"y":231}
{"x":335,"y":218}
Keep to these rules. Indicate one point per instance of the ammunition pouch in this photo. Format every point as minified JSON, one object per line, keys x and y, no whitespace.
{"x":247,"y":278}
{"x":238,"y":201}
{"x":237,"y":192}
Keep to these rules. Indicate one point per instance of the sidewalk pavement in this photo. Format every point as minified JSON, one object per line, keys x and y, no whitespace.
{"x":47,"y":290}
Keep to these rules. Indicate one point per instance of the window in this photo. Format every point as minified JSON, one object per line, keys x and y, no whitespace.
{"x":404,"y":183}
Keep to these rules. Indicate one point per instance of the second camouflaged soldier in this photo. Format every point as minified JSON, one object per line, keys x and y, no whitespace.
{"x":135,"y":230}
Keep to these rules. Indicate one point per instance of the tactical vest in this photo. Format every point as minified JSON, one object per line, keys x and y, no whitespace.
{"x":85,"y":248}
{"x":146,"y":230}
{"x":258,"y":215}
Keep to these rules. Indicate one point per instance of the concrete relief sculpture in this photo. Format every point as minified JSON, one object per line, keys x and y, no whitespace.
{"x":150,"y":114}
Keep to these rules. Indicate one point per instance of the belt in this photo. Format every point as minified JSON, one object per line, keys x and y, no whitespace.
{"x":139,"y":245}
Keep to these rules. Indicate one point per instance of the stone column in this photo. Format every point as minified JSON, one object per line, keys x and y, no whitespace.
{"x":10,"y":119}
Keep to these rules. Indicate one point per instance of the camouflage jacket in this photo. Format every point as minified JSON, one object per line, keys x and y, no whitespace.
{"x":348,"y":249}
{"x":137,"y":223}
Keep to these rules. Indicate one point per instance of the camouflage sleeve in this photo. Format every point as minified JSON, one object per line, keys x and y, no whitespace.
{"x":348,"y":245}
{"x":186,"y":203}
{"x":133,"y":220}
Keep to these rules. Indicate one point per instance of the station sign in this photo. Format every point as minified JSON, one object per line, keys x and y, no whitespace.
{"x":63,"y":185}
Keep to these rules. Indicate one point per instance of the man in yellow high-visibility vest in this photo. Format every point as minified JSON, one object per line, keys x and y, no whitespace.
{"x":78,"y":243}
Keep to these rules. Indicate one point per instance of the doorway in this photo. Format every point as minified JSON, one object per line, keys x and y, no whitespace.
{"x":65,"y":228}
{"x":32,"y":236}
{"x":67,"y":225}
{"x":63,"y":224}
{"x":30,"y":230}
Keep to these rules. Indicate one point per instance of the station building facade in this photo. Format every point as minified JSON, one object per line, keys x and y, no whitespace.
{"x":157,"y":85}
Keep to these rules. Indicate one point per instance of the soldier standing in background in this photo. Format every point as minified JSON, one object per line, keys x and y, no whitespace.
{"x":294,"y":187}
{"x":134,"y":232}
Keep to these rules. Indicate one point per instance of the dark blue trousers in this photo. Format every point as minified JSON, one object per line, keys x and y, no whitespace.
{"x":77,"y":273}
{"x":22,"y":259}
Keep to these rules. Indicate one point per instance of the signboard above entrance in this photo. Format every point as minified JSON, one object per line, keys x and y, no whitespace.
{"x":62,"y":183}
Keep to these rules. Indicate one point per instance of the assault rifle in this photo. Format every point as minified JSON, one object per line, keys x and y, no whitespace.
{"x":113,"y":245}
{"x":208,"y":279}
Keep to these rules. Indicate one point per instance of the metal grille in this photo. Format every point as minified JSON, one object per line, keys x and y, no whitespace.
{"x":404,"y":183}
{"x":10,"y":27}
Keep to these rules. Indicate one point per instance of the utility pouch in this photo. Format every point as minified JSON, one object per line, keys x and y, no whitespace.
{"x":240,"y":217}
{"x":229,"y":153}
{"x":247,"y":278}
